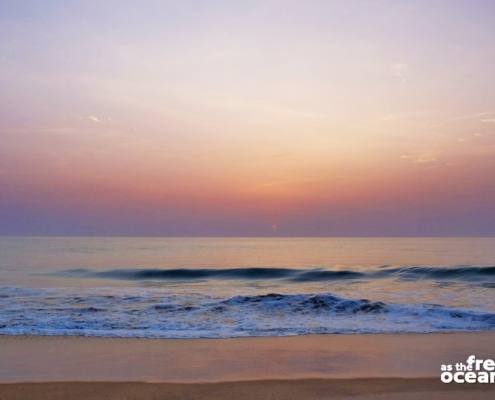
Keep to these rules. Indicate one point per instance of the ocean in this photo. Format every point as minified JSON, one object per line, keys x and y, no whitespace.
{"x":241,"y":287}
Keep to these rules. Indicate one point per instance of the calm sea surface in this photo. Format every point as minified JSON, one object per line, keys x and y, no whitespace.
{"x":234,"y":287}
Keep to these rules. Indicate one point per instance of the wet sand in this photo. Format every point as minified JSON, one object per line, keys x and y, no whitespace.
{"x":384,"y":366}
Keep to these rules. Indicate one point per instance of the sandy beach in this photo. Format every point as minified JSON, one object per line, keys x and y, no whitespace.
{"x":308,"y":367}
{"x":305,"y":389}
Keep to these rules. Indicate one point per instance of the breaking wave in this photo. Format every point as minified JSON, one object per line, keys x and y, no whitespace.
{"x":154,"y":313}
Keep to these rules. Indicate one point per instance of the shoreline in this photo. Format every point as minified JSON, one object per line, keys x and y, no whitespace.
{"x":254,"y":337}
{"x":308,"y":335}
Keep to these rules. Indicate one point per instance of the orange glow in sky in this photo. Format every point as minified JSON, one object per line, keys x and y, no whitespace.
{"x":247,"y":118}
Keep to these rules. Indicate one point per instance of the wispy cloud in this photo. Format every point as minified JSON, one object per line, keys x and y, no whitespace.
{"x":93,"y":119}
{"x":399,"y":70}
{"x":471,"y":116}
{"x":420,"y":158}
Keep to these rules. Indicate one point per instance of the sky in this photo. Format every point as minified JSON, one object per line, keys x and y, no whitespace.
{"x":247,"y":118}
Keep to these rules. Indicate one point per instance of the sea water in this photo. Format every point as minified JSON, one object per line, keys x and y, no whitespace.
{"x":238,"y":287}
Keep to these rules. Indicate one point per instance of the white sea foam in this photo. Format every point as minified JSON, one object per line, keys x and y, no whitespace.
{"x":154,"y":313}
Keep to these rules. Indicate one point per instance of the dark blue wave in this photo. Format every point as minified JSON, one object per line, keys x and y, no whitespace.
{"x":310,"y":302}
{"x":460,"y":273}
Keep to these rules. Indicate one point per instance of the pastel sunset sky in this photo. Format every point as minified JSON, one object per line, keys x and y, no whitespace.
{"x":284,"y":118}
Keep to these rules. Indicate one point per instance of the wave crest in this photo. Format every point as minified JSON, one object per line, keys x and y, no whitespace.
{"x":467,"y":273}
